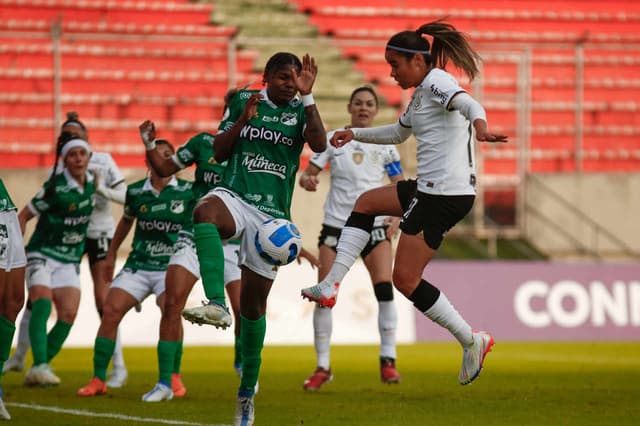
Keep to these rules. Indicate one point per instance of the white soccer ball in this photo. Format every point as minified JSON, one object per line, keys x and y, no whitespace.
{"x":278,"y":241}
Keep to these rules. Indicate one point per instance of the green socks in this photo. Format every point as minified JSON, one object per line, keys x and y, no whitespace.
{"x":167,"y":352}
{"x":40,"y":311}
{"x":7,"y":329}
{"x":252,"y":338}
{"x":178,"y":360}
{"x":102,"y":352}
{"x":211,"y":259}
{"x":237,"y":355}
{"x":56,"y":338}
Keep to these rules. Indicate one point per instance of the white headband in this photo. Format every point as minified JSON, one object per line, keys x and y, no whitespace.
{"x":74,"y":143}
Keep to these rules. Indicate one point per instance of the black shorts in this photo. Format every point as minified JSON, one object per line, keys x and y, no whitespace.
{"x":432,"y":215}
{"x":329,"y":237}
{"x":97,"y":249}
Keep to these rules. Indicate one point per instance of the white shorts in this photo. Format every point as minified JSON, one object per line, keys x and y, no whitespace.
{"x":140,"y":284}
{"x":12,"y":254}
{"x":43,"y":270}
{"x":247,"y":219}
{"x":185,"y":255}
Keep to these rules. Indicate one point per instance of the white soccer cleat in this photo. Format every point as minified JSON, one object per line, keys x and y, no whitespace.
{"x":473,"y":356}
{"x":14,"y":363}
{"x":4,"y":414}
{"x":41,"y":375}
{"x":117,"y":377}
{"x":160,"y":392}
{"x":324,"y":293}
{"x":211,"y":313}
{"x":245,"y":411}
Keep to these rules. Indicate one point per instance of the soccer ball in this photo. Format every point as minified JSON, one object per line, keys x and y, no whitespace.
{"x":278,"y":241}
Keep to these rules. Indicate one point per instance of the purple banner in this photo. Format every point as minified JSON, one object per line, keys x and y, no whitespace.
{"x":539,"y":300}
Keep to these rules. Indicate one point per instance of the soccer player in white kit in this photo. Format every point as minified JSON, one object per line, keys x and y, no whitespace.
{"x":355,"y":168}
{"x":441,"y":115}
{"x":110,"y":187}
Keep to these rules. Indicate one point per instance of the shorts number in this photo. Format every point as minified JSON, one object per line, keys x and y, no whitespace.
{"x":378,"y":234}
{"x":103,"y":244}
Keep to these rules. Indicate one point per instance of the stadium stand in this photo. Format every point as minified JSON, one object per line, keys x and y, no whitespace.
{"x":121,"y":62}
{"x":540,"y":39}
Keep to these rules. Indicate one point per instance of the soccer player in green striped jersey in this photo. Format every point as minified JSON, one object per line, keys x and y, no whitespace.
{"x":12,"y":265}
{"x":261,"y":136}
{"x":160,"y":207}
{"x":183,"y":270}
{"x":64,"y":206}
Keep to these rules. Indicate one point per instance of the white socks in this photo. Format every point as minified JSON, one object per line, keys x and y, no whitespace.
{"x":351,"y":243}
{"x":118,"y":357}
{"x":322,"y":327}
{"x":387,"y":323}
{"x":23,"y":344}
{"x":443,"y":313}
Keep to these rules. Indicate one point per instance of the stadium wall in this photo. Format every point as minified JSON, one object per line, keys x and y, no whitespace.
{"x":591,"y":208}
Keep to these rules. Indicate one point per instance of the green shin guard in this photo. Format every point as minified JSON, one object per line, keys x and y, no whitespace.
{"x":166,"y":360}
{"x":252,"y":337}
{"x":211,"y":259}
{"x":178,"y":359}
{"x":40,"y":311}
{"x":7,"y":330}
{"x":102,"y":352}
{"x":56,"y":338}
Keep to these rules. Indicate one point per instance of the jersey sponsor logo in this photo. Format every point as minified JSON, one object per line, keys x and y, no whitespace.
{"x":289,"y":119}
{"x":159,"y":225}
{"x":275,"y":137}
{"x":158,"y":207}
{"x":72,"y":237}
{"x":177,"y":206}
{"x":442,"y":96}
{"x":258,"y":163}
{"x":185,"y":156}
{"x":211,"y":178}
{"x":41,"y":205}
{"x":75,"y":221}
{"x":158,"y":248}
{"x":253,"y":197}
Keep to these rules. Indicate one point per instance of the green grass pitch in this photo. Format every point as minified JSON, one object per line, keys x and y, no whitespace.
{"x":522,"y":384}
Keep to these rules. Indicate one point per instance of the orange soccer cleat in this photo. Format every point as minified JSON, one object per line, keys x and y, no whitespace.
{"x":178,"y":388}
{"x":94,"y":388}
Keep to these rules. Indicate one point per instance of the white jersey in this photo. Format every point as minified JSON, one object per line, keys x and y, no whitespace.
{"x":446,"y":164}
{"x":355,"y":168}
{"x":101,"y":223}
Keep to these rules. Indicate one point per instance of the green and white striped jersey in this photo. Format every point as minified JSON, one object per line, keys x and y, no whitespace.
{"x":159,"y":218}
{"x":198,"y":150}
{"x":6,"y":204}
{"x":64,"y":217}
{"x":262,"y":168}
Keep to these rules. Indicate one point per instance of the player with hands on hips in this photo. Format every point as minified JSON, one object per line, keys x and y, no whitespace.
{"x":441,"y":116}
